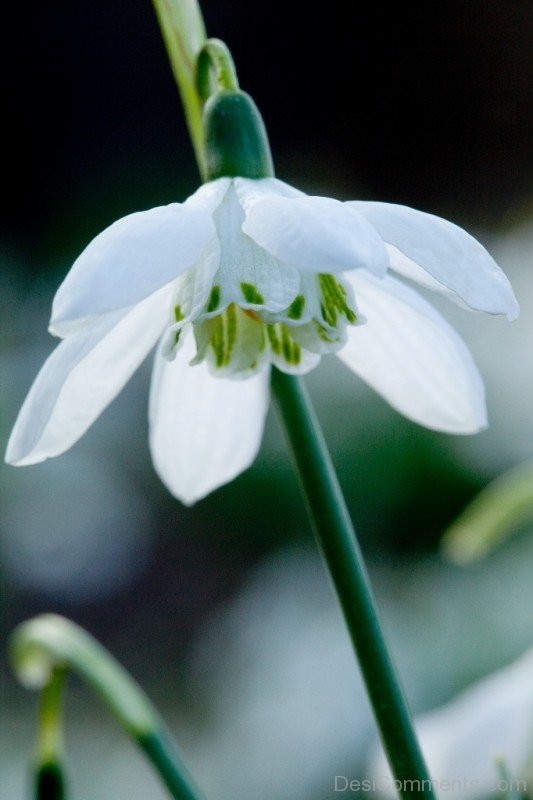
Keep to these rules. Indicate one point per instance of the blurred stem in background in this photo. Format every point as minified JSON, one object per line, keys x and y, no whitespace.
{"x":324,"y":497}
{"x":506,"y":780}
{"x":500,"y":509}
{"x":42,"y":650}
{"x":49,"y":779}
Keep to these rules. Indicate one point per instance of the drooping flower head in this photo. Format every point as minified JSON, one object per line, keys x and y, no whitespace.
{"x":247,"y":273}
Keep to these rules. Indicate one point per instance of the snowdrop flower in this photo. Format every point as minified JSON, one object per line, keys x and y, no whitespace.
{"x":250,"y":272}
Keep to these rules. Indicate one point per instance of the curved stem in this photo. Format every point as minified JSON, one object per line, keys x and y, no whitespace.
{"x":339,"y":546}
{"x":183,"y":30}
{"x":47,"y":644}
{"x":216,"y":55}
{"x":50,"y":731}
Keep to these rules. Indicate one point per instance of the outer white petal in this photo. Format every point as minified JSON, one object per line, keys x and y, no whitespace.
{"x":317,"y":234}
{"x":250,"y":191}
{"x":247,"y":269}
{"x":410,"y":355}
{"x":130,"y":260}
{"x":192,"y":289}
{"x":204,"y":431}
{"x":209,"y":196}
{"x":81,"y":377}
{"x":456,"y":260}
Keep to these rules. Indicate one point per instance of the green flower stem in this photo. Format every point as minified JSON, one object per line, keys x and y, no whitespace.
{"x":183,"y":30}
{"x":324,"y":497}
{"x":47,"y":644}
{"x":338,"y":543}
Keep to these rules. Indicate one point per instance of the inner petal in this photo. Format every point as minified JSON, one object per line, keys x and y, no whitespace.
{"x":237,"y":341}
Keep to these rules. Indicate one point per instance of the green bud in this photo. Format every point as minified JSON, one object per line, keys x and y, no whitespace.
{"x":236,"y":141}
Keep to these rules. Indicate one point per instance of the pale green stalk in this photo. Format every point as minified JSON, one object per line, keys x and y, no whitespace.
{"x":47,"y":646}
{"x":498,"y":510}
{"x":183,"y":30}
{"x":48,"y":778}
{"x":50,"y":731}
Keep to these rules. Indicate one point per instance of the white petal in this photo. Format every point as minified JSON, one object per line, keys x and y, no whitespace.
{"x":209,"y":196}
{"x":130,"y":260}
{"x":204,"y":431}
{"x":191,"y":290}
{"x":449,"y":254}
{"x":316,"y":234}
{"x":414,"y":272}
{"x":81,"y":377}
{"x":410,"y":355}
{"x":248,"y":275}
{"x":250,"y":191}
{"x":308,"y":361}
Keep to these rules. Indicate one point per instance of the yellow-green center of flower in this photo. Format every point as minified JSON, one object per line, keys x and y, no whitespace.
{"x":236,"y":341}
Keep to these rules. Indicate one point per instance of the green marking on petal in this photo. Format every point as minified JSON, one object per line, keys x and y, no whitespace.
{"x":296,"y":308}
{"x":217,"y":341}
{"x":251,"y":295}
{"x":350,"y":315}
{"x":322,"y":332}
{"x":231,"y":332}
{"x":223,"y":334}
{"x":286,"y":345}
{"x":282,"y":344}
{"x":275,"y":343}
{"x":327,"y":315}
{"x":214,"y":299}
{"x":178,"y":314}
{"x":334,"y":301}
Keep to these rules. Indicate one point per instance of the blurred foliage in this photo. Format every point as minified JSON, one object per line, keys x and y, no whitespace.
{"x":503,"y":507}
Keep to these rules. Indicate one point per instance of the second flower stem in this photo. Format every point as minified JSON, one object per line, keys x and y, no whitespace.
{"x":339,"y":546}
{"x":42,"y":650}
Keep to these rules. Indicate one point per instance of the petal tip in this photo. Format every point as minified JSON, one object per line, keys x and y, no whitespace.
{"x":18,"y":456}
{"x":21,"y":450}
{"x":513,"y":310}
{"x":476,"y":422}
{"x":12,"y":455}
